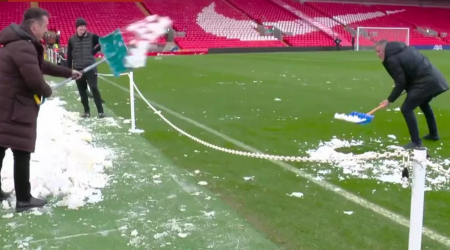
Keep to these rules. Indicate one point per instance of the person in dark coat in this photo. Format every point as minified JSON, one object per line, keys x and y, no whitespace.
{"x":412,"y":72}
{"x":353,"y":42}
{"x":81,"y":49}
{"x":22,"y":66}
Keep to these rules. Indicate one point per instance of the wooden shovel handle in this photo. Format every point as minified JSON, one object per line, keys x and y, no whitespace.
{"x":375,"y":109}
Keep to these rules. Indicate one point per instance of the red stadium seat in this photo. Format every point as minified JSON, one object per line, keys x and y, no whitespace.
{"x":102,"y":18}
{"x":11,"y":13}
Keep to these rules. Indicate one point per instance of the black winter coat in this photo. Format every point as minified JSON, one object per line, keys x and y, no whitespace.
{"x":412,"y":72}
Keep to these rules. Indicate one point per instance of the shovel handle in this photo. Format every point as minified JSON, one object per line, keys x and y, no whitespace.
{"x":374,"y":110}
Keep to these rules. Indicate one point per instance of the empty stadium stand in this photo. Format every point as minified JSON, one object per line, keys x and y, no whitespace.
{"x":298,"y":32}
{"x":356,"y":15}
{"x":211,"y":24}
{"x":433,"y":18}
{"x":102,"y":18}
{"x":233,"y":23}
{"x":11,"y":13}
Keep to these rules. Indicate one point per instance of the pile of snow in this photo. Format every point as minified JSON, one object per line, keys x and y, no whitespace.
{"x":65,"y":164}
{"x":349,"y":118}
{"x":327,"y":150}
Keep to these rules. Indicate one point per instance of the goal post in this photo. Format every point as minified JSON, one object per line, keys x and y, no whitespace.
{"x":368,"y":36}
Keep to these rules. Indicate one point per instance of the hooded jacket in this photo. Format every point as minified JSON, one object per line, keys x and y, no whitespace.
{"x":412,"y":72}
{"x":22,"y":66}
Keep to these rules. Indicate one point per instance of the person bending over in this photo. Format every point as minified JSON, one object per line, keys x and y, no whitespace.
{"x":412,"y":72}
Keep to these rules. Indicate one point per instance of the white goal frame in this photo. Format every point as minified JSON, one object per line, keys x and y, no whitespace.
{"x":358,"y":33}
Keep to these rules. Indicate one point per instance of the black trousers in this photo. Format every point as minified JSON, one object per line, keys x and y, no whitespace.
{"x":408,"y":107}
{"x":90,"y":78}
{"x":21,"y":173}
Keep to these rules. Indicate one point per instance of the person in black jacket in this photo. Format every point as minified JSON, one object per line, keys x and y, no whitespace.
{"x":413,"y":73}
{"x":353,"y":42}
{"x":81,"y":49}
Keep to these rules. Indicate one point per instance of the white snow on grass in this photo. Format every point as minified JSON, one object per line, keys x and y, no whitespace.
{"x":393,"y":137}
{"x":296,"y":194}
{"x":383,"y":170}
{"x":65,"y":165}
{"x":249,"y":178}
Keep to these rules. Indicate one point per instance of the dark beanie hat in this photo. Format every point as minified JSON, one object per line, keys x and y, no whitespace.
{"x":80,"y":22}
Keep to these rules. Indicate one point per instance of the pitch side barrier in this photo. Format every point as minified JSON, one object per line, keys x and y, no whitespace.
{"x":179,"y":53}
{"x":172,"y":53}
{"x":419,"y":47}
{"x":275,"y":49}
{"x":267,"y":50}
{"x":433,"y":47}
{"x":310,"y":49}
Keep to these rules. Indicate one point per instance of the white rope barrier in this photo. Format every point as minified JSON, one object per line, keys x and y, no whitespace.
{"x":365,"y":156}
{"x":360,"y":157}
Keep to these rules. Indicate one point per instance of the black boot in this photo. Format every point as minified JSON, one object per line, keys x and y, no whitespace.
{"x":22,"y":206}
{"x":101,"y":115}
{"x":86,"y":115}
{"x":431,"y":137}
{"x":3,"y":195}
{"x":412,"y":145}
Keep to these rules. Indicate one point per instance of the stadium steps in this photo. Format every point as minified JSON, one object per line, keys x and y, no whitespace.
{"x":365,"y":39}
{"x":150,"y":12}
{"x":249,"y":17}
{"x":169,"y":46}
{"x":142,"y":9}
{"x":384,"y":16}
{"x":403,"y":20}
{"x":286,"y":44}
{"x":320,"y":11}
{"x":292,"y":7}
{"x":240,"y":10}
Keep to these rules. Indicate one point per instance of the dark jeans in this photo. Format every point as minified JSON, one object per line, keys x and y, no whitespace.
{"x":90,"y":78}
{"x":21,"y":173}
{"x":408,"y":107}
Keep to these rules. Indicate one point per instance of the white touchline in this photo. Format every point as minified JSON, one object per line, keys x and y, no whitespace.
{"x":444,"y":240}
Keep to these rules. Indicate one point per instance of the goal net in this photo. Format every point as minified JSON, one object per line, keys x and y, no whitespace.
{"x":366,"y":37}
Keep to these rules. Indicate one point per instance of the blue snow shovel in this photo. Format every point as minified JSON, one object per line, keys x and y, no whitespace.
{"x":365,"y":118}
{"x":114,"y":50}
